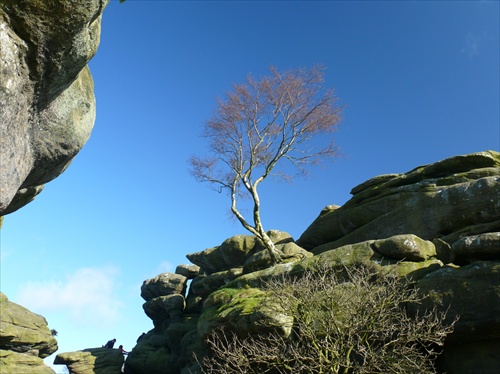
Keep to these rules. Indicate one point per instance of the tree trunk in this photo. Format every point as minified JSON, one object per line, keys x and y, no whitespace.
{"x":271,"y":248}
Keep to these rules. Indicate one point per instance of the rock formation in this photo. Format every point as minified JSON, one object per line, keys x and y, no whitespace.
{"x":25,"y":340}
{"x":92,"y":361}
{"x":437,"y":225}
{"x":47,"y":104}
{"x":47,"y":111}
{"x":449,"y":199}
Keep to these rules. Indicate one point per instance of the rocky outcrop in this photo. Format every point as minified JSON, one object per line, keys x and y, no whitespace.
{"x":92,"y":361}
{"x":437,"y":225}
{"x":457,"y":196}
{"x":25,"y":340}
{"x":47,"y":104}
{"x":165,"y":305}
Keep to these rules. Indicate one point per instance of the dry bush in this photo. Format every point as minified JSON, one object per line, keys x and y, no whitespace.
{"x":345,"y":321}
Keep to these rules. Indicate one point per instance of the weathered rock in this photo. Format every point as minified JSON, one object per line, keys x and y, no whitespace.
{"x":244,"y":311}
{"x":405,"y":247}
{"x":189,"y":271}
{"x":345,"y":256}
{"x":151,"y":355}
{"x":162,"y":285}
{"x":194,"y":303}
{"x":47,"y":105}
{"x":192,"y":349}
{"x":25,"y":363}
{"x":206,"y":284}
{"x":176,"y":331}
{"x":471,"y":293}
{"x":25,"y":333}
{"x":430,"y":201}
{"x":262,"y":259}
{"x":92,"y":361}
{"x":478,"y":247}
{"x":164,"y":308}
{"x":472,"y":230}
{"x":233,"y":252}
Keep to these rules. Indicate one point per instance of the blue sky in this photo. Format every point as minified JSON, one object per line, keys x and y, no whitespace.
{"x":419,"y":79}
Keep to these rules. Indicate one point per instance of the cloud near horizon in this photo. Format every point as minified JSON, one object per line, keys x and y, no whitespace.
{"x":88,"y":296}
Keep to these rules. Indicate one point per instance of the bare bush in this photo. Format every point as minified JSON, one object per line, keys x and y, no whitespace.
{"x":348,"y":321}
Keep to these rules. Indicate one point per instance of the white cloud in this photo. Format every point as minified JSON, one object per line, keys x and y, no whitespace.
{"x":88,"y":295}
{"x":165,"y":267}
{"x":471,"y":44}
{"x":4,"y":254}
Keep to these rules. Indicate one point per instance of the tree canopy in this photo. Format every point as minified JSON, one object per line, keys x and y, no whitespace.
{"x":260,"y":129}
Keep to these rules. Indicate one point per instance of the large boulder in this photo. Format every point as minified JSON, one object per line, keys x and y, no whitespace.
{"x":92,"y":361}
{"x":162,"y":285}
{"x":431,"y":201}
{"x":47,"y":104}
{"x":25,"y":339}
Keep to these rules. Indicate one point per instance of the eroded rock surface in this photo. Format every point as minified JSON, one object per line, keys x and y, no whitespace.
{"x":25,"y":339}
{"x":47,"y":104}
{"x":92,"y":361}
{"x":431,"y":201}
{"x":47,"y":111}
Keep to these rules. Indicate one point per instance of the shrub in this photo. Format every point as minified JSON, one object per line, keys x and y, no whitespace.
{"x":345,"y":321}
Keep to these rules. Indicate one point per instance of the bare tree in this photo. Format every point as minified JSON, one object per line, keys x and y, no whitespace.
{"x":285,"y":116}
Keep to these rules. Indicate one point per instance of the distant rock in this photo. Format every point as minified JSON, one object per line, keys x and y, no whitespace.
{"x":47,"y":104}
{"x":25,"y":340}
{"x":92,"y":361}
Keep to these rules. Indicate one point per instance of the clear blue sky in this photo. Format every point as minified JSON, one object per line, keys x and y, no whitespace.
{"x":420,"y":81}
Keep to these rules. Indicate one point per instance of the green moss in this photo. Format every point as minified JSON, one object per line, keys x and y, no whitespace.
{"x":231,"y":306}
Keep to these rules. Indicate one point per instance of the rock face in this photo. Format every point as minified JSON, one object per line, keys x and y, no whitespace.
{"x":25,"y":340}
{"x":456,"y":196}
{"x":47,"y":104}
{"x":92,"y":361}
{"x":47,"y":111}
{"x":437,"y":225}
